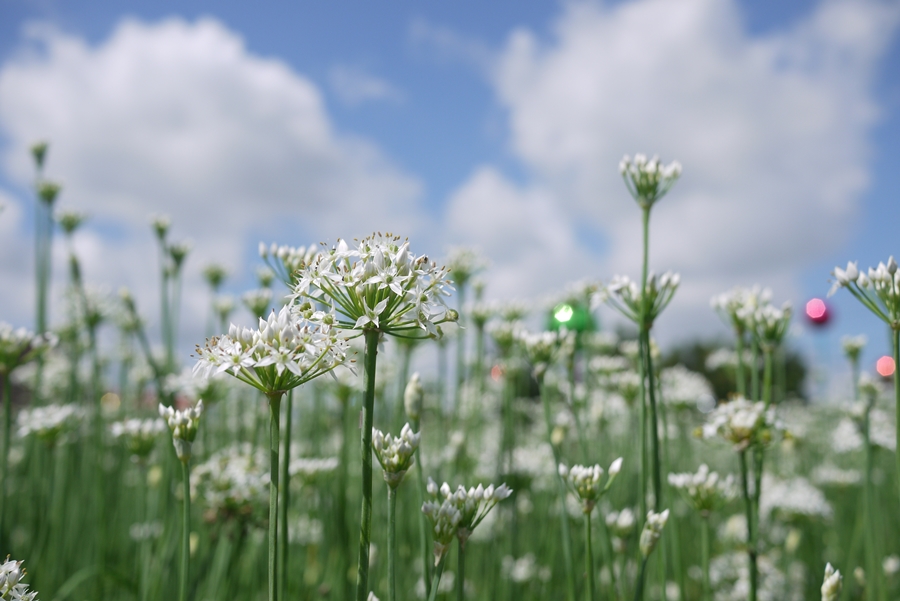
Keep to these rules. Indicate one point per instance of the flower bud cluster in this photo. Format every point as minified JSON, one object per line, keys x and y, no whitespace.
{"x":853,"y":346}
{"x":463,"y":263}
{"x":878,"y":290}
{"x":458,"y":513}
{"x":395,"y":454}
{"x":379,"y":286}
{"x":625,"y":296}
{"x":540,"y":347}
{"x":831,"y":586}
{"x":49,"y":422}
{"x":770,"y":325}
{"x":257,"y":301}
{"x":282,"y":354}
{"x":413,"y":396}
{"x":585,"y":482}
{"x":705,"y":491}
{"x":19,"y":346}
{"x":286,"y":261}
{"x":140,"y":435}
{"x":183,"y":424}
{"x":653,"y":528}
{"x":648,"y":180}
{"x":738,"y":306}
{"x":233,"y":483}
{"x":11,"y":585}
{"x":742,"y":423}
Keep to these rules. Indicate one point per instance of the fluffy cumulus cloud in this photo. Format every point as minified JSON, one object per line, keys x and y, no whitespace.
{"x":181,"y":119}
{"x":771,"y":129}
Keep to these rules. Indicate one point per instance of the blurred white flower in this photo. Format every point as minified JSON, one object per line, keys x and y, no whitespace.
{"x":648,"y":180}
{"x":704,"y":490}
{"x":831,"y":586}
{"x":140,"y":434}
{"x":395,"y":454}
{"x":183,"y":423}
{"x":50,"y":422}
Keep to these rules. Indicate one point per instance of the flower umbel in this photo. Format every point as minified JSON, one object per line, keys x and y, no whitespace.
{"x":653,"y":528}
{"x":742,"y":423}
{"x":395,"y":454}
{"x":648,"y":181}
{"x":879,"y":291}
{"x":831,"y":586}
{"x":625,"y":296}
{"x":183,"y":424}
{"x":705,"y":491}
{"x":11,"y":587}
{"x":585,"y":482}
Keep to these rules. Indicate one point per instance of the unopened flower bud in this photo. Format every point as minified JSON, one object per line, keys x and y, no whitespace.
{"x":48,"y":191}
{"x":831,"y":586}
{"x":653,"y":528}
{"x":413,"y":396}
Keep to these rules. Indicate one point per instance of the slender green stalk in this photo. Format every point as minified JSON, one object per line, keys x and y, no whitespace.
{"x":274,"y":440}
{"x":654,"y":425}
{"x":392,"y":543}
{"x":896,"y":333}
{"x":423,"y":525}
{"x":561,"y":489}
{"x":768,"y":358}
{"x":751,"y":539}
{"x":185,"y":532}
{"x":285,"y":496}
{"x":754,"y":370}
{"x":7,"y":433}
{"x":343,"y":529}
{"x":436,"y":579}
{"x":873,"y":580}
{"x":854,"y":374}
{"x":588,"y":559}
{"x":479,"y":358}
{"x":460,"y":570}
{"x":704,"y":556}
{"x":740,"y":378}
{"x":460,"y":350}
{"x":365,"y":522}
{"x":639,"y":587}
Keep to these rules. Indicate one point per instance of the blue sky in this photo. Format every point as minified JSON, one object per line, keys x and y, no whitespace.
{"x":492,"y":124}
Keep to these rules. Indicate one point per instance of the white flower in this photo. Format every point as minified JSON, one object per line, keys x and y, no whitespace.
{"x":234,"y":482}
{"x":585,"y":482}
{"x":183,"y":424}
{"x":879,"y":291}
{"x":704,"y":490}
{"x":11,"y":587}
{"x":738,"y":304}
{"x":378,"y":286}
{"x":625,"y":295}
{"x":741,"y":422}
{"x":791,"y":498}
{"x":831,"y":586}
{"x":395,"y":454}
{"x":653,"y":528}
{"x":853,"y":345}
{"x":257,"y":301}
{"x":49,"y":422}
{"x":648,"y":181}
{"x":285,"y":352}
{"x":682,"y":387}
{"x":413,"y":396}
{"x":140,"y":434}
{"x":286,"y":261}
{"x":463,"y":263}
{"x":19,"y":346}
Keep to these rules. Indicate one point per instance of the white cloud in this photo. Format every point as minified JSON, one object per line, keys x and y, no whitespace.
{"x":180,"y":118}
{"x":772,"y":132}
{"x":354,"y":86}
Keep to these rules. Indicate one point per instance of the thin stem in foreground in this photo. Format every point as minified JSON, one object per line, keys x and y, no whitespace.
{"x":751,"y":542}
{"x":704,"y":557}
{"x":896,"y":333}
{"x":436,"y":579}
{"x":285,"y":496}
{"x":460,"y":570}
{"x":185,"y":532}
{"x":392,"y":543}
{"x":588,"y":559}
{"x":7,"y":432}
{"x":274,"y":439}
{"x":365,"y":522}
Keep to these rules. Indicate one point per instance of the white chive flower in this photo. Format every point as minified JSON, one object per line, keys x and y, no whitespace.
{"x":586,"y":482}
{"x":831,"y":585}
{"x":770,"y":325}
{"x":853,"y":345}
{"x":458,"y":513}
{"x":285,"y":352}
{"x":286,"y":261}
{"x":624,"y":295}
{"x":395,"y":454}
{"x":735,"y":305}
{"x":463,"y":263}
{"x":183,"y":423}
{"x":413,"y":396}
{"x":11,"y":585}
{"x":50,"y":422}
{"x":653,"y":528}
{"x":648,"y":180}
{"x":742,"y":423}
{"x":140,"y":435}
{"x":540,"y":347}
{"x":878,"y":290}
{"x":310,"y":468}
{"x":257,"y":301}
{"x":705,"y":490}
{"x":378,"y":286}
{"x":233,"y":484}
{"x":19,"y":346}
{"x":621,"y":523}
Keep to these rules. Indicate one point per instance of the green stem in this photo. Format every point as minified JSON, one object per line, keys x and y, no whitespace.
{"x":588,"y":558}
{"x":704,"y":555}
{"x":392,"y":543}
{"x":768,"y":357}
{"x":896,"y":333}
{"x":479,"y":359}
{"x":285,"y":495}
{"x":642,"y":367}
{"x":854,"y":373}
{"x":561,"y":490}
{"x":740,"y":378}
{"x":751,"y":542}
{"x":365,"y":522}
{"x":873,"y":580}
{"x":274,"y":439}
{"x":754,"y":370}
{"x":460,"y":351}
{"x":639,"y":587}
{"x":436,"y":579}
{"x":185,"y":531}
{"x":654,"y":425}
{"x":460,"y":570}
{"x":7,"y":433}
{"x":423,"y":526}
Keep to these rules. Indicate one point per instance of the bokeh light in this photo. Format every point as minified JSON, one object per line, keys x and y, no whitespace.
{"x":817,"y":311}
{"x":885,"y":366}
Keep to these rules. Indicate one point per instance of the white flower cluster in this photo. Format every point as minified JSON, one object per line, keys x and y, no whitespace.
{"x":542,"y":347}
{"x":831,"y":585}
{"x":140,"y":434}
{"x":585,"y":481}
{"x":648,"y":180}
{"x":311,"y":467}
{"x":653,"y":528}
{"x":742,"y":423}
{"x":233,"y":482}
{"x":771,"y":324}
{"x":19,"y":346}
{"x":11,"y":586}
{"x":705,"y":490}
{"x":684,"y":388}
{"x":183,"y":424}
{"x":286,"y":261}
{"x":395,"y":454}
{"x":257,"y":301}
{"x":463,"y":263}
{"x":792,"y":498}
{"x":625,"y":295}
{"x":283,"y":353}
{"x":879,"y":291}
{"x":503,"y":333}
{"x":413,"y":396}
{"x":621,"y":524}
{"x":379,"y":285}
{"x":853,"y":345}
{"x":49,"y":422}
{"x":458,"y":513}
{"x":524,"y":569}
{"x":736,"y":307}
